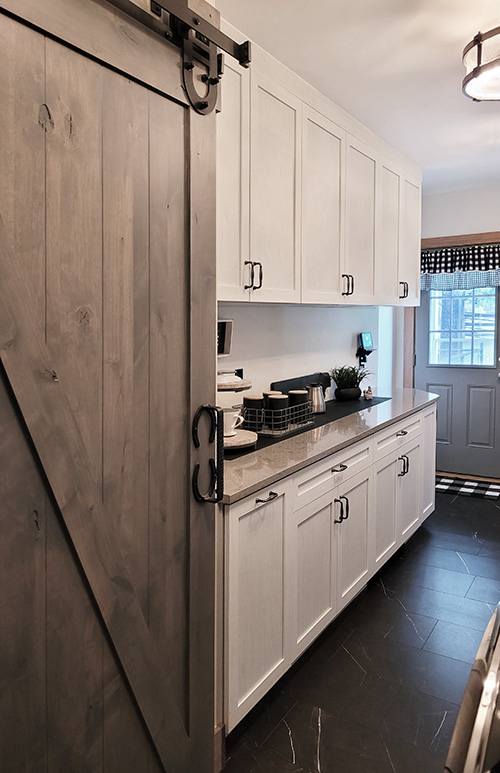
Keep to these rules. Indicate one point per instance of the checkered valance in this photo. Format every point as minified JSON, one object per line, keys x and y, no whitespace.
{"x":453,"y":268}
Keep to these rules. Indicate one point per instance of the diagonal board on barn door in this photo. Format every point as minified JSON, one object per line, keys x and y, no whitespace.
{"x":32,"y":374}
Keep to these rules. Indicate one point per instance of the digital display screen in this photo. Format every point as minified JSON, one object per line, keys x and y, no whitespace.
{"x":366,"y":341}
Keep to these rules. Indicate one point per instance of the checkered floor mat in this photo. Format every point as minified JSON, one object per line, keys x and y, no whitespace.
{"x":467,"y":488}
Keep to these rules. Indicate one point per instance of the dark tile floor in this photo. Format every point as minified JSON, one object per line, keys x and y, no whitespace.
{"x":379,"y":691}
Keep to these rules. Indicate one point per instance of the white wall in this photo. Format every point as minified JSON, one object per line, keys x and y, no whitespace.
{"x":461,"y":212}
{"x":279,"y":342}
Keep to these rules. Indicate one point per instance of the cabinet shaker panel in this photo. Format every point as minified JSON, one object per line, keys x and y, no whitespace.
{"x":360,"y":217}
{"x":274,"y":190}
{"x":322,"y":207}
{"x":233,"y":158}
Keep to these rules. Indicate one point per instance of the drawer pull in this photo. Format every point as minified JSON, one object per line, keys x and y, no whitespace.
{"x":401,"y":433}
{"x":339,"y":468}
{"x":272,"y":495}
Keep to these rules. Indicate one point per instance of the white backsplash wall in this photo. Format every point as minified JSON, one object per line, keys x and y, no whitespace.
{"x":278,"y":342}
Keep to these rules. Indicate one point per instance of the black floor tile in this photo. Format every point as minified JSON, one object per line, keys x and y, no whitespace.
{"x":421,"y":720}
{"x":454,"y":641}
{"x":379,"y":691}
{"x":483,"y":589}
{"x":445,"y":606}
{"x":427,"y":576}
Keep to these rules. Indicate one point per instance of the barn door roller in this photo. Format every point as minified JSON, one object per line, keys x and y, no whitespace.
{"x":199,"y":41}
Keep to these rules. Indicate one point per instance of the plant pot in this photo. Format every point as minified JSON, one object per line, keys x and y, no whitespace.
{"x":353,"y":393}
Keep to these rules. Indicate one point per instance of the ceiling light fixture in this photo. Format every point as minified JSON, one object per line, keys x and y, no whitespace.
{"x":481,"y":58}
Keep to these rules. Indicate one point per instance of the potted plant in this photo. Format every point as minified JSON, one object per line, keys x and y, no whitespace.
{"x":348,"y":378}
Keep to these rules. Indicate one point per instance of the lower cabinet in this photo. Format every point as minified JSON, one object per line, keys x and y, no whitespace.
{"x":256,"y":614}
{"x":298,"y":552}
{"x":396,"y":479}
{"x":329,"y":557}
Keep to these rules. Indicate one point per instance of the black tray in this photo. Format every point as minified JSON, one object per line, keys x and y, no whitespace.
{"x":335,"y":409}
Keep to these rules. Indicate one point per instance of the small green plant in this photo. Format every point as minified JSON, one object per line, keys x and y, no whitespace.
{"x":349,"y":376}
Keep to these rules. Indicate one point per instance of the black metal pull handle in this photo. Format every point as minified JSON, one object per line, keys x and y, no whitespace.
{"x":342,"y":517}
{"x":406,"y":466}
{"x":401,"y":433}
{"x":272,"y":495}
{"x":346,"y":276}
{"x":215,"y":491}
{"x":407,"y":290}
{"x":346,"y":516}
{"x":403,"y":294}
{"x":252,"y":274}
{"x":339,"y":468}
{"x":352,"y":284}
{"x":261,"y":275}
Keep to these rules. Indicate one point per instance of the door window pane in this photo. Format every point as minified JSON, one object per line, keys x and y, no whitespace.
{"x":462,"y":327}
{"x":439,"y":348}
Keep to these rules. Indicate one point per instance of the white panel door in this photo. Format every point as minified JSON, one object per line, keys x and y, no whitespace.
{"x":353,"y":537}
{"x":386,"y":537}
{"x":409,"y":489}
{"x":322,"y":205}
{"x":409,"y":250}
{"x":360,"y":219}
{"x":255,"y":593}
{"x":388,"y":241}
{"x":275,"y":143}
{"x":428,"y":462}
{"x":233,"y":159}
{"x":313,"y":588}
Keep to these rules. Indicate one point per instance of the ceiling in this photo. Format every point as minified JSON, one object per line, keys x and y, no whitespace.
{"x":396,"y":65}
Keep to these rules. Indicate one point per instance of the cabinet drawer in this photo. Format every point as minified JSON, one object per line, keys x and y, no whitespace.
{"x":321,"y":477}
{"x":391,"y":439}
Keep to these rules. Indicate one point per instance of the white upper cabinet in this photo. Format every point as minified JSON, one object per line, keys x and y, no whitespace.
{"x":311,"y":206}
{"x":398,"y":244}
{"x":275,"y":121}
{"x":233,"y":158}
{"x":323,"y":167}
{"x":409,"y":257}
{"x":388,"y":244}
{"x":358,"y":272}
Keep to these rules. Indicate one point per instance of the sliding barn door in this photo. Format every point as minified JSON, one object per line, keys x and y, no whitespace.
{"x":107,"y":336}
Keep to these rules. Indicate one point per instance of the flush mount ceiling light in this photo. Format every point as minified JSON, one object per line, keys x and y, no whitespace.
{"x":481,"y":58}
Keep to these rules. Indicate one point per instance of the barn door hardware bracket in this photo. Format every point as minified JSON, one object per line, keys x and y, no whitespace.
{"x":199,"y":41}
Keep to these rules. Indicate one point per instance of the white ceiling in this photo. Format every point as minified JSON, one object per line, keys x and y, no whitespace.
{"x":396,"y":65}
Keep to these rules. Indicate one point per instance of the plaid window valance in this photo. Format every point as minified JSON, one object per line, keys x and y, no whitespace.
{"x":453,"y":268}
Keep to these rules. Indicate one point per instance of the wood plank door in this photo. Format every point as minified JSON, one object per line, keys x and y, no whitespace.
{"x":107,"y":347}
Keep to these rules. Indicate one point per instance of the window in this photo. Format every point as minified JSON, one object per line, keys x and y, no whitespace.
{"x":462,"y":327}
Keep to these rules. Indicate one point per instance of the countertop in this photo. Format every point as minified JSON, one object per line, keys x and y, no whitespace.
{"x":247,"y":474}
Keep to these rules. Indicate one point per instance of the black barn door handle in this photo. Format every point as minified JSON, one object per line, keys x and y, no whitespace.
{"x":216,"y":463}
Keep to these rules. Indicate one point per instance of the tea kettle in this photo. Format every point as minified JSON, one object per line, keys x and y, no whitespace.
{"x":317,"y":398}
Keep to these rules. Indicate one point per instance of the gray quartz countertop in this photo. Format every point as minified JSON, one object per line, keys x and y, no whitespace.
{"x":249,"y":473}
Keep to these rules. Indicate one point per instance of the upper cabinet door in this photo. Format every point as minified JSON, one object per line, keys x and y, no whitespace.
{"x":409,"y":251}
{"x":358,"y":272}
{"x":323,"y":145}
{"x":233,"y":159}
{"x":275,"y":120}
{"x":388,"y":239}
{"x":398,"y":241}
